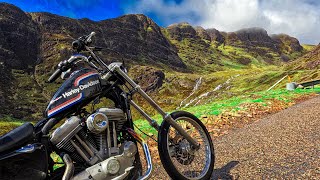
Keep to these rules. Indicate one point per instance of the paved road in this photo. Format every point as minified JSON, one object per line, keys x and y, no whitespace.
{"x":285,"y":145}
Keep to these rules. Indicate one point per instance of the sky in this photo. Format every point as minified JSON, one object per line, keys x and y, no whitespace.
{"x":298,"y":18}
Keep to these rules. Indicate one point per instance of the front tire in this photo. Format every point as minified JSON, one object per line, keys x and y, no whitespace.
{"x":178,"y":158}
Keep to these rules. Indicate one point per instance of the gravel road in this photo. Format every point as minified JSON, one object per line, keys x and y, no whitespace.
{"x":285,"y":145}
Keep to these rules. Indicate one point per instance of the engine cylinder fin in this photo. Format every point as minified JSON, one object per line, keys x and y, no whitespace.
{"x":77,"y":158}
{"x":85,"y":146}
{"x":81,"y":152}
{"x":68,"y":147}
{"x":88,"y":137}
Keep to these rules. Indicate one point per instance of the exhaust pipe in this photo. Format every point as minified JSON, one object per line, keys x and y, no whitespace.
{"x":146,"y":153}
{"x":68,"y":173}
{"x":149,"y":162}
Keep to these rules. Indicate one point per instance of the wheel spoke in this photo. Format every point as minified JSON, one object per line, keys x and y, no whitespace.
{"x":190,"y":163}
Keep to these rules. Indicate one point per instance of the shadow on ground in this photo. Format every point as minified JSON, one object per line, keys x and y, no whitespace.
{"x":224,"y":172}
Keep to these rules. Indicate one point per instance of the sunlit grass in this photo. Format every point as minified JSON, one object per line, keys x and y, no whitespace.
{"x":8,"y":123}
{"x":308,"y":47}
{"x":232,"y":104}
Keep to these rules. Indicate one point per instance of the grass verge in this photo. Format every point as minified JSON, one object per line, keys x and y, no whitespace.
{"x":237,"y":104}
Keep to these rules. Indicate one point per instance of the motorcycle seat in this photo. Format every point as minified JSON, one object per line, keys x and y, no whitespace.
{"x":17,"y":137}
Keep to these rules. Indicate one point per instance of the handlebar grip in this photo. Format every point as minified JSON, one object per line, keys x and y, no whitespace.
{"x":55,"y":75}
{"x":92,"y":34}
{"x":88,"y":40}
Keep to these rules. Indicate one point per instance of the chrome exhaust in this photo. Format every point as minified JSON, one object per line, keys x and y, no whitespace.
{"x":68,"y":173}
{"x":149,"y":162}
{"x":146,"y":153}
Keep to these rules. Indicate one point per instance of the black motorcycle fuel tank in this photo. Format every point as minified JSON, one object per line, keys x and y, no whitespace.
{"x":82,"y":85}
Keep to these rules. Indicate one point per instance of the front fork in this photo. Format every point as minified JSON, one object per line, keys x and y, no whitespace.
{"x":167,"y":117}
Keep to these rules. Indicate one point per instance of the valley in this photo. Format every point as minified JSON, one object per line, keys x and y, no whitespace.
{"x":180,"y":66}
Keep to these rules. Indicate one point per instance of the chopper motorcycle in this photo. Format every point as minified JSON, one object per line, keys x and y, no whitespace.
{"x":102,"y":144}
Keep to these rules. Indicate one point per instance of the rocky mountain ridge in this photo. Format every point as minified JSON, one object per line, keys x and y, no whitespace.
{"x":309,"y":61}
{"x":272,"y":48}
{"x":31,"y":44}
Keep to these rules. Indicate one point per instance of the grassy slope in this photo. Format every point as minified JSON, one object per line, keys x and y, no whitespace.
{"x":234,"y":78}
{"x":7,"y":123}
{"x":235,"y":69}
{"x":237,"y":104}
{"x":223,"y":66}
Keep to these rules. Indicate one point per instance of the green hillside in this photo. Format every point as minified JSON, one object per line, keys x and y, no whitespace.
{"x":180,"y":66}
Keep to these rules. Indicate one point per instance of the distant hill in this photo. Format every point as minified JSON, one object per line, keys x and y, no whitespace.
{"x":309,"y":61}
{"x":198,"y":46}
{"x":167,"y":61}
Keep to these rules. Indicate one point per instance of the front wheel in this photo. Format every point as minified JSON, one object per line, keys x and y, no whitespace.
{"x":179,"y":159}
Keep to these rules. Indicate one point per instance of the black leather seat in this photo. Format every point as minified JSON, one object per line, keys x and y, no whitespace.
{"x":17,"y":137}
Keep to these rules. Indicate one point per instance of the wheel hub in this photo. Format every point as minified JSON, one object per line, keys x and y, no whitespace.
{"x":184,"y":153}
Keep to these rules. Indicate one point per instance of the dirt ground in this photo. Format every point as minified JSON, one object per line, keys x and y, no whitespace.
{"x":263,"y":142}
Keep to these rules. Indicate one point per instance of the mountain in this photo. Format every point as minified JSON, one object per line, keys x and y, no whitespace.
{"x":310,"y":61}
{"x":307,"y":66}
{"x":200,"y":46}
{"x":33,"y":43}
{"x":166,"y":61}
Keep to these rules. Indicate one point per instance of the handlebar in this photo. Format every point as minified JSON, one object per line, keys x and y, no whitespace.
{"x":65,"y":65}
{"x":55,"y":75}
{"x":80,"y":44}
{"x":83,"y":41}
{"x":88,"y":39}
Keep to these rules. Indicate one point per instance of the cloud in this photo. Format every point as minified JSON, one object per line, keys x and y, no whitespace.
{"x":168,"y":11}
{"x":298,"y":18}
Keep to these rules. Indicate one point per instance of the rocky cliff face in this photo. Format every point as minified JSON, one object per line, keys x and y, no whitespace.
{"x":215,"y":35}
{"x":271,"y":49}
{"x":19,"y":50}
{"x":252,"y":35}
{"x":31,"y":44}
{"x":310,"y":61}
{"x":287,"y":43}
{"x":19,"y":38}
{"x":181,"y":30}
{"x":134,"y":37}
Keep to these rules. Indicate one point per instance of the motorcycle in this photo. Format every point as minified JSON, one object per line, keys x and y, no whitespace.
{"x":101,"y":143}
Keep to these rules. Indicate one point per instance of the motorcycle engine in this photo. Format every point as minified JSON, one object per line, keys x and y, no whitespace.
{"x":93,"y":141}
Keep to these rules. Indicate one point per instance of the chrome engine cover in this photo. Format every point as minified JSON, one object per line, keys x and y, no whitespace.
{"x":115,"y":115}
{"x":92,"y":144}
{"x":97,"y":122}
{"x":62,"y":135}
{"x":115,"y":167}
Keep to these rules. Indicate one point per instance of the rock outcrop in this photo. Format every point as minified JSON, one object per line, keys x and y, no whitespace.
{"x":287,"y":43}
{"x":202,"y":33}
{"x":181,"y":30}
{"x":31,"y":44}
{"x":215,"y":35}
{"x":150,"y":79}
{"x":19,"y":38}
{"x":254,"y":35}
{"x":311,"y":60}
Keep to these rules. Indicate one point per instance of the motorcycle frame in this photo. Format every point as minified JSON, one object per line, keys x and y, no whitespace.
{"x":166,"y":116}
{"x":115,"y":69}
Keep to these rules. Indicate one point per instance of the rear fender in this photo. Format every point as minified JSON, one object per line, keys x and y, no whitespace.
{"x":28,"y":161}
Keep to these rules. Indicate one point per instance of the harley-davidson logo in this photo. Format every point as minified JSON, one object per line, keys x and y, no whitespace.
{"x":80,"y":88}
